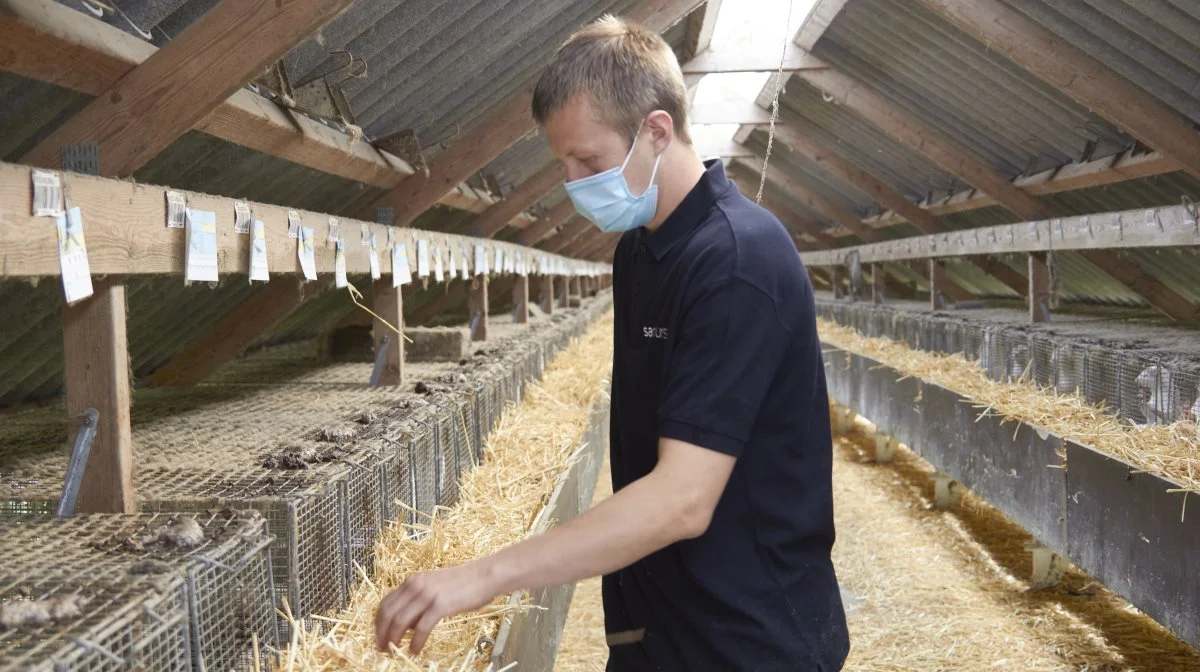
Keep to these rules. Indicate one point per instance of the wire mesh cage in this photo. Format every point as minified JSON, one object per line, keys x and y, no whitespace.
{"x":152,"y":592}
{"x":1142,"y":386}
{"x":304,"y":512}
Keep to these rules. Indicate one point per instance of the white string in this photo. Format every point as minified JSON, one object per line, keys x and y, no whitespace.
{"x":762,"y":178}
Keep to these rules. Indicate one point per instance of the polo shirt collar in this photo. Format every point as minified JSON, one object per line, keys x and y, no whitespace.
{"x":690,"y":212}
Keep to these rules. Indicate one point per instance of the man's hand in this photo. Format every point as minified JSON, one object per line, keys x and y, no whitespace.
{"x":425,"y":599}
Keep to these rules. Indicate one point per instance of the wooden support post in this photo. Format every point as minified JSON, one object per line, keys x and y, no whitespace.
{"x":937,"y":284}
{"x":562,"y":291}
{"x":839,"y":281}
{"x":237,"y":331}
{"x":389,"y":304}
{"x":547,"y":294}
{"x":885,"y":447}
{"x":878,"y":283}
{"x":521,"y":300}
{"x":96,"y":358}
{"x":1039,"y":287}
{"x":943,"y":493}
{"x":477,"y":308}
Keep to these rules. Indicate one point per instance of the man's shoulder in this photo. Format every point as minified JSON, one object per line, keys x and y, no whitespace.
{"x":741,"y":240}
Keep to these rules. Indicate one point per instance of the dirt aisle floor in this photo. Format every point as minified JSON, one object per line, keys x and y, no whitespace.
{"x":931,"y":590}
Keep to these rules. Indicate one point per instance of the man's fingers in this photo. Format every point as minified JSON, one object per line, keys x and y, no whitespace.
{"x":406,"y":618}
{"x":391,"y":604}
{"x":423,"y":629}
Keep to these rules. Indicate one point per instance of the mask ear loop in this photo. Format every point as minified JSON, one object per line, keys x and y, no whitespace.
{"x":657,"y":159}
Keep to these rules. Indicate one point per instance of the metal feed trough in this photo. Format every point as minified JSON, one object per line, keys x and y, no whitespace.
{"x":139,"y":592}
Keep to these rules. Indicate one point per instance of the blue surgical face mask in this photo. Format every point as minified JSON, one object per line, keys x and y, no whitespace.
{"x":605,"y":200}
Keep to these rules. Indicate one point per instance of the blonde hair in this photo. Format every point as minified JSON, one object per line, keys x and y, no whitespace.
{"x":628,"y":70}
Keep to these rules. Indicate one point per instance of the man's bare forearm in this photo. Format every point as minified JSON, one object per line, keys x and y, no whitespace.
{"x":636,"y":521}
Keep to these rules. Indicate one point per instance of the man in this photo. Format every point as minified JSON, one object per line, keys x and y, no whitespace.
{"x":715,"y":547}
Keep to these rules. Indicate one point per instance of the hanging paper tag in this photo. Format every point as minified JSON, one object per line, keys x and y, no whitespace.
{"x":335,"y":231}
{"x":391,"y":237}
{"x":438,"y":273}
{"x":72,"y":256}
{"x":480,"y":260}
{"x":423,"y":258}
{"x":307,"y":252}
{"x":176,"y":209}
{"x":293,"y":224}
{"x":401,"y":273}
{"x":339,"y":264}
{"x":47,"y":194}
{"x":258,"y":253}
{"x":454,"y":264}
{"x":241,"y":217}
{"x":373,"y":257}
{"x":466,"y":272}
{"x":201,"y":246}
{"x":498,"y":263}
{"x":365,"y":236}
{"x":521,"y":264}
{"x":510,"y":264}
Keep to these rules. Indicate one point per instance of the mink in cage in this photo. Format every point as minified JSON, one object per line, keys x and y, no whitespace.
{"x":1159,"y":403}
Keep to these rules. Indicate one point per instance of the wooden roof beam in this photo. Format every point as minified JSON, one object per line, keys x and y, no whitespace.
{"x":500,"y":214}
{"x":509,"y":123}
{"x":1090,"y":83}
{"x":560,"y":213}
{"x":569,"y":234}
{"x":819,"y":203}
{"x":159,"y":100}
{"x":56,"y":44}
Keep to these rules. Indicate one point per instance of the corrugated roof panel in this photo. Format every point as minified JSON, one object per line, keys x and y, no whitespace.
{"x":812,"y":175}
{"x":843,"y":131}
{"x":1013,"y":121}
{"x":1155,"y":44}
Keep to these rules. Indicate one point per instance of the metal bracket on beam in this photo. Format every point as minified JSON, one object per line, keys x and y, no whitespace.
{"x":81,"y":157}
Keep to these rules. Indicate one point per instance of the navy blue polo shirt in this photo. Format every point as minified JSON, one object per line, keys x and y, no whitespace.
{"x":716,"y":345}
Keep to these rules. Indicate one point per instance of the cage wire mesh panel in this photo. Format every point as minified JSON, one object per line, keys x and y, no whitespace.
{"x":147,"y":592}
{"x":1139,"y":385}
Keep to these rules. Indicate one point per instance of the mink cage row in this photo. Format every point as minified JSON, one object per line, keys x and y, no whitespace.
{"x":128,"y":597}
{"x":1140,"y":386}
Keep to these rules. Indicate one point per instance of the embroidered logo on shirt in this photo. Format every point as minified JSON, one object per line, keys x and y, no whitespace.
{"x":655,"y":332}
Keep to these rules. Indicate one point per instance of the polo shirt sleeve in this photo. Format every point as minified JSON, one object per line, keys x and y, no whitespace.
{"x":728,"y":350}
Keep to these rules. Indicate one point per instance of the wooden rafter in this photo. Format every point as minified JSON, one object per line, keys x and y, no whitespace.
{"x":560,"y":213}
{"x":144,"y":111}
{"x":569,"y":234}
{"x":53,"y":43}
{"x":881,"y":193}
{"x":1072,"y":71}
{"x":504,"y":127}
{"x":820,"y":203}
{"x":583,"y":242}
{"x":498,"y":216}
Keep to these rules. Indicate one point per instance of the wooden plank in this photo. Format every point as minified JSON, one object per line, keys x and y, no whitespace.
{"x":881,"y":193}
{"x":878,"y":283}
{"x":521,"y":300}
{"x":584,"y":242}
{"x":126,"y":233}
{"x":923,"y":139}
{"x":1072,"y":71}
{"x":560,"y":213}
{"x":838,"y":278}
{"x":177,"y":86}
{"x":819,"y":203}
{"x":389,"y":304}
{"x":822,"y":14}
{"x":937,"y":284}
{"x":1039,"y":287}
{"x":477,"y":308}
{"x":728,"y":108}
{"x":498,"y":216}
{"x":572,"y":231}
{"x":237,"y":331}
{"x":1158,"y":294}
{"x":48,"y":41}
{"x":509,"y":123}
{"x":96,"y":360}
{"x":1158,"y":227}
{"x":546,"y":295}
{"x":701,"y":24}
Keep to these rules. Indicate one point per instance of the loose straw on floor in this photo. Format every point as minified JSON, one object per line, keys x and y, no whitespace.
{"x":498,"y":504}
{"x":1169,"y":451}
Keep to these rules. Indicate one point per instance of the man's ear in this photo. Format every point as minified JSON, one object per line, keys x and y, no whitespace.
{"x":662,"y":129}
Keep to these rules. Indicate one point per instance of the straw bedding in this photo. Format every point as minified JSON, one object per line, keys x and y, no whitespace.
{"x":498,"y":504}
{"x":1168,"y":451}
